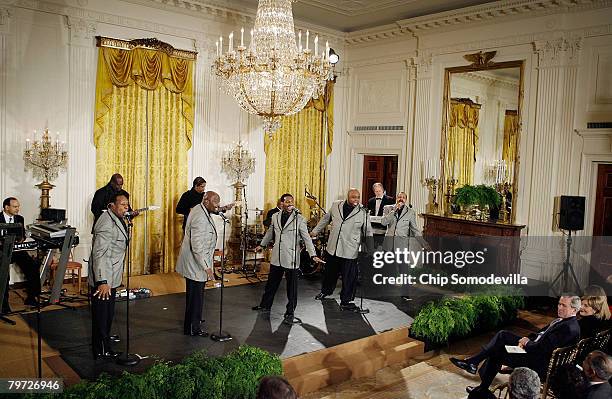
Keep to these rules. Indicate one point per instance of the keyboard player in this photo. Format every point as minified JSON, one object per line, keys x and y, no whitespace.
{"x":29,"y":266}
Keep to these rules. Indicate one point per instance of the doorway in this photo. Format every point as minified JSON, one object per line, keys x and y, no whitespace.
{"x":379,"y":168}
{"x":601,"y":261}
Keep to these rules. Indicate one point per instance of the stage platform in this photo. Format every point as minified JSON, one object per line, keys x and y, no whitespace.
{"x":157,"y":332}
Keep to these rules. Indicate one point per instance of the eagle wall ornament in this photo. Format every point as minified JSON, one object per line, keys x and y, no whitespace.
{"x":480,"y":59}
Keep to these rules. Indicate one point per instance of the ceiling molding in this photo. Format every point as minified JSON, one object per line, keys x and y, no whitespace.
{"x":474,"y":15}
{"x":351,"y":9}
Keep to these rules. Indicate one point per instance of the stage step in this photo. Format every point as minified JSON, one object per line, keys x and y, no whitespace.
{"x":357,"y":359}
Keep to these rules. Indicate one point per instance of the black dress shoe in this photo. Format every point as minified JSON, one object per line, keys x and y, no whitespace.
{"x":260,"y":308}
{"x":470,"y":389}
{"x":348,"y":306}
{"x":30,"y":301}
{"x":289,"y":319}
{"x":320,"y":296}
{"x":469,"y":367}
{"x":199,"y":333}
{"x":114,"y":338}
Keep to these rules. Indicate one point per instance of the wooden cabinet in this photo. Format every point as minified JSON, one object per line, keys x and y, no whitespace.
{"x":503,"y":239}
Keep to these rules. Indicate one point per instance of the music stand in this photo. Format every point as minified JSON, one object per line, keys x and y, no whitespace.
{"x":8,"y":232}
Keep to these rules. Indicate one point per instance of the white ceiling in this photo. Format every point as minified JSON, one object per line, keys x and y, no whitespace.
{"x":351,"y":15}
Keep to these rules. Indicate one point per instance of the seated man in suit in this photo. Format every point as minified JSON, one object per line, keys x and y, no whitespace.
{"x":598,"y":370}
{"x":29,"y":267}
{"x":561,"y":332}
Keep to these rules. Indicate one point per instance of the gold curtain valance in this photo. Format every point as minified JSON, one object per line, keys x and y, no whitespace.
{"x":464,"y":113}
{"x":147,"y":68}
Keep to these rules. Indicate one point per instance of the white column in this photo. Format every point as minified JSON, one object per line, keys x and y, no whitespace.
{"x":338,"y":173}
{"x":418,"y":193}
{"x":410,"y":174}
{"x":555,"y":103}
{"x":205,"y":108}
{"x":5,"y":27}
{"x":81,"y":173}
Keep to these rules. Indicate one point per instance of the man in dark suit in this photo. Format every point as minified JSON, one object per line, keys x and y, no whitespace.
{"x":598,"y":370}
{"x":103,"y":196}
{"x":191,"y":198}
{"x":29,"y":267}
{"x":376,"y":205}
{"x":538,"y":347}
{"x":268,"y":220}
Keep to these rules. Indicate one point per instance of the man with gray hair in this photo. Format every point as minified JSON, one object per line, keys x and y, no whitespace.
{"x":524,"y":384}
{"x":598,"y":370}
{"x":535,"y":350}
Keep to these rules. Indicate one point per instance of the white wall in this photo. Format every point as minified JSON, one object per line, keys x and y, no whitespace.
{"x":567,"y":83}
{"x":48,"y":62}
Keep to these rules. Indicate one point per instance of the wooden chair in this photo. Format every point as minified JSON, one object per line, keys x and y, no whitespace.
{"x":73,"y":269}
{"x":560,"y":357}
{"x":588,"y":345}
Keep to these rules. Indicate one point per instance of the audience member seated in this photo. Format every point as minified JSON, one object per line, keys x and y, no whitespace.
{"x":524,"y":384}
{"x":563,"y":331}
{"x":597,"y":369}
{"x":594,"y":315}
{"x":275,"y":388}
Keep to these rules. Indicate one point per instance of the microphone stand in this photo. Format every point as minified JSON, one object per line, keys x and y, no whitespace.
{"x":361,"y":309}
{"x":294,"y":276}
{"x":129,"y":359}
{"x":222,"y":336}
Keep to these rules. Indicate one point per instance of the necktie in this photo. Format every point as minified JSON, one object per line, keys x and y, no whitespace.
{"x":378,"y":202}
{"x":10,"y":219}
{"x":540,"y":335}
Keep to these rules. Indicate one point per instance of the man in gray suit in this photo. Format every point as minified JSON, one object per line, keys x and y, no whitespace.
{"x":195,"y":261}
{"x":285,"y":228}
{"x":350,"y":229}
{"x":110,"y":241}
{"x":401,"y":224}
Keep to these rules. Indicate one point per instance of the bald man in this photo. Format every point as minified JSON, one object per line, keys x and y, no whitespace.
{"x":195,"y":261}
{"x":350,"y":229}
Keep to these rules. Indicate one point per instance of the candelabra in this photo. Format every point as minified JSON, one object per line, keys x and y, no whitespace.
{"x":238,"y":163}
{"x":45,"y":159}
{"x":450,"y":193}
{"x":503,"y":189}
{"x":432,"y":184}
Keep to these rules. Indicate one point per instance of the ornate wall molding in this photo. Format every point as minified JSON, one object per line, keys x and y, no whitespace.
{"x":423,"y":63}
{"x":381,"y":60}
{"x":561,"y":51}
{"x":82,"y":31}
{"x":5,"y":19}
{"x":489,"y":13}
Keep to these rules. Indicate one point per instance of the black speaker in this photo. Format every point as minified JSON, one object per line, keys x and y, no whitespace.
{"x":571,"y":213}
{"x":53,"y":214}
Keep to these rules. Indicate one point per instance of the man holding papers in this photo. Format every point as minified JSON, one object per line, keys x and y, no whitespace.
{"x":538,"y":347}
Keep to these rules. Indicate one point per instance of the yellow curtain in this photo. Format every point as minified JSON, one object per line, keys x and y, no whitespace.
{"x":143,"y":127}
{"x":462,"y":142}
{"x":510,"y":136}
{"x":295,"y":155}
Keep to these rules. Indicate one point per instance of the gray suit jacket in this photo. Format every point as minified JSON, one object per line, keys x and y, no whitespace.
{"x":198,"y":245}
{"x":346,"y":233}
{"x":108,"y":250}
{"x":285,"y":247}
{"x":399,"y":230}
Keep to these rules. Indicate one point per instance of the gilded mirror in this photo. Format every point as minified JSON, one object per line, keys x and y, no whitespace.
{"x":481,"y":131}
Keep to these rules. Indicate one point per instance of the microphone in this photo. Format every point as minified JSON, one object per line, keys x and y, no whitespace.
{"x":225,"y":219}
{"x":297,"y":211}
{"x":133,"y":213}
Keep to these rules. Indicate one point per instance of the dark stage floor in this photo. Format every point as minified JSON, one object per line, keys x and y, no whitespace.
{"x":157,"y":326}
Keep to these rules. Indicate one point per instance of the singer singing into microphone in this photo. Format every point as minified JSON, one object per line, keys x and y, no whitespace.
{"x":195,"y":261}
{"x":350,"y":229}
{"x":285,"y":255}
{"x":110,"y":239}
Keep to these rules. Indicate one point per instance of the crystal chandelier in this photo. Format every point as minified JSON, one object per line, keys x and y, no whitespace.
{"x":273,"y":76}
{"x":45,"y":159}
